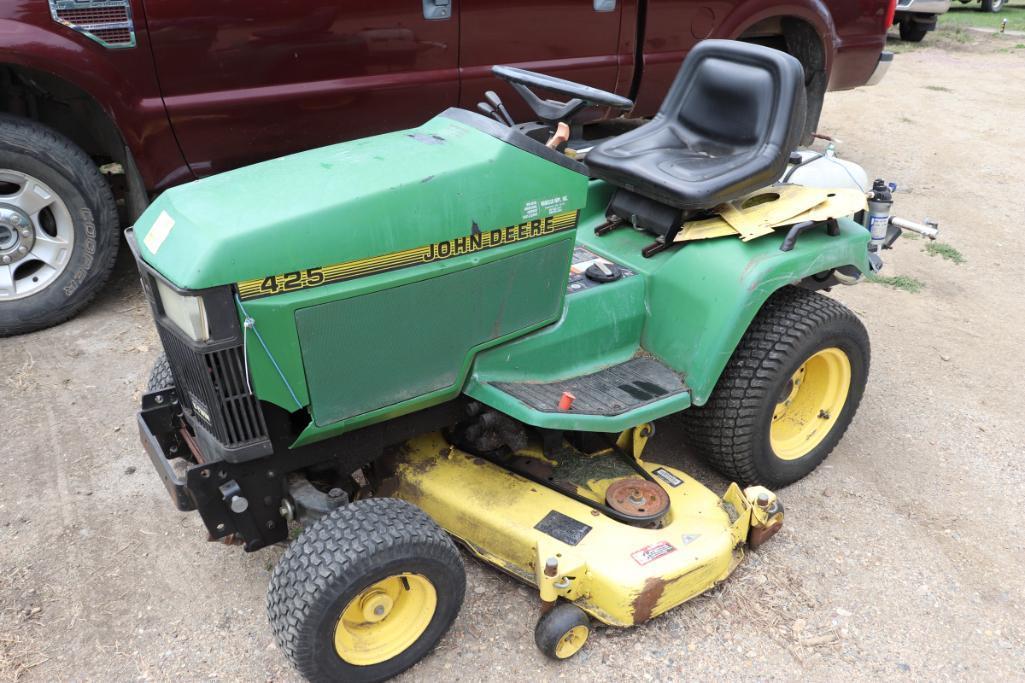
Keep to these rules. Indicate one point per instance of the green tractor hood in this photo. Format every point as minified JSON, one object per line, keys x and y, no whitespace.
{"x":448,"y":178}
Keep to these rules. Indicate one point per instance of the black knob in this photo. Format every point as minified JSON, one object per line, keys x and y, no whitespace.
{"x":603,"y":272}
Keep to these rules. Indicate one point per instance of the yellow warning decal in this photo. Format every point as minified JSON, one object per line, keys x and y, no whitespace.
{"x":478,"y":240}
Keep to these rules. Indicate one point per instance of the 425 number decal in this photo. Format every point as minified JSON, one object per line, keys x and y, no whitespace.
{"x":289,"y":282}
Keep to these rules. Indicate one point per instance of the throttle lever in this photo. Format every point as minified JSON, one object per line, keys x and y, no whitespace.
{"x":496,"y":102}
{"x":490,"y":111}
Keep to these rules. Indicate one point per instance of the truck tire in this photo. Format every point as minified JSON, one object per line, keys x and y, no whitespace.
{"x":912,"y":31}
{"x":992,"y":5}
{"x":365,"y":592}
{"x":160,"y":376}
{"x":788,"y":393}
{"x":58,"y":227}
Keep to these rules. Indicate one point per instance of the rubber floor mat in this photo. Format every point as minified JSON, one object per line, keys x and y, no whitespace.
{"x":612,"y":391}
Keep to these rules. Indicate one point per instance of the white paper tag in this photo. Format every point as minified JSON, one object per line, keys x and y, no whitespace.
{"x":159,"y":232}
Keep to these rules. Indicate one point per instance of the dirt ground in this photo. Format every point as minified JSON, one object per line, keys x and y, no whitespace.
{"x":901,"y":557}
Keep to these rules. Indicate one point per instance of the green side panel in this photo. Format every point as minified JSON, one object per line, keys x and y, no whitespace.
{"x":688,"y":307}
{"x":383,"y":348}
{"x":598,"y":327}
{"x":350,"y":201}
{"x":702,"y":297}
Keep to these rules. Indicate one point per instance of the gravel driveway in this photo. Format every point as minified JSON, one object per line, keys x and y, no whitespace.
{"x":901,"y":557}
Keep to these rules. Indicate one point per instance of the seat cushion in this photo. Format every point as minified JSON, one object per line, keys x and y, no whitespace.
{"x":726,"y":127}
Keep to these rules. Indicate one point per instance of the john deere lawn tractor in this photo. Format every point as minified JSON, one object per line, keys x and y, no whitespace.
{"x":467,"y":330}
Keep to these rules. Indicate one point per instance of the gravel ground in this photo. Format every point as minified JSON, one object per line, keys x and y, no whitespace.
{"x":900,"y":557}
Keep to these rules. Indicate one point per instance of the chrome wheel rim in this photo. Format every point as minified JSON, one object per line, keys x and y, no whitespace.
{"x":37,"y":235}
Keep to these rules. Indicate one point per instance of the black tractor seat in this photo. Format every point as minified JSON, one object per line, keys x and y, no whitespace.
{"x":727,"y":127}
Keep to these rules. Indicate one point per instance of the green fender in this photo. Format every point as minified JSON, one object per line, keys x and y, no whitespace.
{"x":702,"y":297}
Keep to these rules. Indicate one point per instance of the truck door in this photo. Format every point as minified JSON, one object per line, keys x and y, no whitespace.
{"x":245,"y":81}
{"x":573,"y":39}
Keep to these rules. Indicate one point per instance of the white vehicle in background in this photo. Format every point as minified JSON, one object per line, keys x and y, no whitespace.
{"x":917,"y":17}
{"x":988,"y":5}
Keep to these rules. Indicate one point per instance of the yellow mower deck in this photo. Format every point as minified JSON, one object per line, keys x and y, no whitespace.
{"x":618,"y":573}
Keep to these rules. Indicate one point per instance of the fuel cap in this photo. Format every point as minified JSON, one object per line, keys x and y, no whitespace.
{"x":599,"y":271}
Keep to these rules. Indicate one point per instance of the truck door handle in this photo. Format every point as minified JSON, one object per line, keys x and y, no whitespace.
{"x":604,"y":5}
{"x":442,"y":9}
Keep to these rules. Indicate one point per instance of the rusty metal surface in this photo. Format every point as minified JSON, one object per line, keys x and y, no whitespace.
{"x":644,"y":603}
{"x":637,"y":497}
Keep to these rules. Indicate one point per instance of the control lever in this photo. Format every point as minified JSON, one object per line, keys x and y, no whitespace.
{"x":490,"y":111}
{"x":560,"y":136}
{"x":496,"y":102}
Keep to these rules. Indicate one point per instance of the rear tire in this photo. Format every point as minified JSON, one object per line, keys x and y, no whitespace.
{"x":992,"y":5}
{"x":911,"y":31}
{"x":365,"y":592}
{"x":70,"y":243}
{"x":744,"y":430}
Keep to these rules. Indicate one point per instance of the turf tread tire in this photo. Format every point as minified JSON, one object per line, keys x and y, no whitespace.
{"x":339,"y":550}
{"x":160,"y":376}
{"x":45,"y":147}
{"x":726,"y":430}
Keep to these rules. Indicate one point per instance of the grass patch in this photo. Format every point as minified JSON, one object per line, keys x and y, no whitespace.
{"x":961,"y":36}
{"x":964,"y":16}
{"x":938,"y":88}
{"x":905,"y":282}
{"x":944,"y":250}
{"x":898,"y":46}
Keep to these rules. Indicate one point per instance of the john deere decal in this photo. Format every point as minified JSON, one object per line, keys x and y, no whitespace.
{"x":478,"y":240}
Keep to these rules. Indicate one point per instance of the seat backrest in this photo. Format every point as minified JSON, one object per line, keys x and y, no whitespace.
{"x":730,"y":95}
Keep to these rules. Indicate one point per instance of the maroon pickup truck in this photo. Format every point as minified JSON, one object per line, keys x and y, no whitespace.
{"x":105,"y":103}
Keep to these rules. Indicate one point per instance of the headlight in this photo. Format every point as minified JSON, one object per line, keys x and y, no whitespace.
{"x":187,"y":312}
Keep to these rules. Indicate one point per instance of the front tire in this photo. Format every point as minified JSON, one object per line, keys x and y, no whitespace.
{"x":992,"y":5}
{"x":788,"y":393}
{"x":160,"y":376}
{"x":365,"y":592}
{"x":58,"y":227}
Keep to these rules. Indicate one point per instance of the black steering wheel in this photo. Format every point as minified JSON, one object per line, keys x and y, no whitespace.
{"x":550,"y":111}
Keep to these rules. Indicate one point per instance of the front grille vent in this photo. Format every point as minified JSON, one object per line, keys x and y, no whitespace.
{"x":108,"y":22}
{"x":212,"y":385}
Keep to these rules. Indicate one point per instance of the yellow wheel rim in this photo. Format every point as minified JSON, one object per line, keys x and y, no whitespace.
{"x":810,"y":404}
{"x":385,"y":619}
{"x":571,"y":642}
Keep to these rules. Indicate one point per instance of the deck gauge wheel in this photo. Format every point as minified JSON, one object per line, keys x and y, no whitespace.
{"x":562,"y":631}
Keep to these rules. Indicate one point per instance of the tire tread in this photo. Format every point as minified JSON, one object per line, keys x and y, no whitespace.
{"x":723,"y":431}
{"x":340,"y":547}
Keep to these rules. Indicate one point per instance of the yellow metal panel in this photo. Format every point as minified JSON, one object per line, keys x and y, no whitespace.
{"x":619,"y":573}
{"x":794,"y":204}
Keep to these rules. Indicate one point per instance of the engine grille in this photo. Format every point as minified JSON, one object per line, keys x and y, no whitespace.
{"x":108,"y":22}
{"x":212,"y":385}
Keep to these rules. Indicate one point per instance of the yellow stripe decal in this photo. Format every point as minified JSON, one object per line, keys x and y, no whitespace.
{"x":439,"y":251}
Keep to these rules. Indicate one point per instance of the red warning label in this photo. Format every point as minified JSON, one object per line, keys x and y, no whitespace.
{"x":650,"y":553}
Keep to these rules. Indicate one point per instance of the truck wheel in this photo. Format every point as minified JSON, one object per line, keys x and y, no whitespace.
{"x":58,"y":227}
{"x":787,"y":394}
{"x":992,"y":5}
{"x":160,"y":376}
{"x":912,"y":31}
{"x":365,"y":592}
